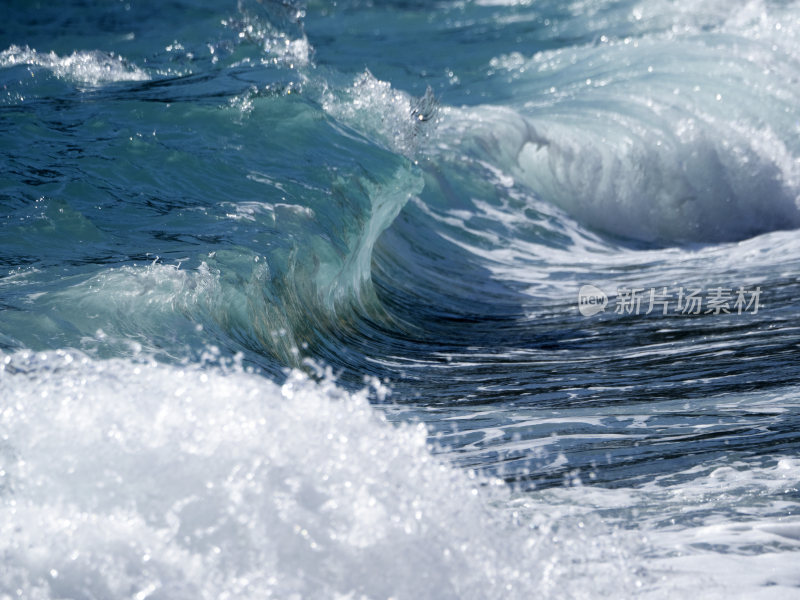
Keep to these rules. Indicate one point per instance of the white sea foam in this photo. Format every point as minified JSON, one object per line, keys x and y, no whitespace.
{"x":132,"y":479}
{"x":123,"y":479}
{"x":93,"y":67}
{"x":675,"y":127}
{"x":384,"y":113}
{"x":718,"y":532}
{"x":513,"y":254}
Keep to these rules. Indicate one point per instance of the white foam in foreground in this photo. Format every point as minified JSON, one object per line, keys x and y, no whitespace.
{"x":121,"y":479}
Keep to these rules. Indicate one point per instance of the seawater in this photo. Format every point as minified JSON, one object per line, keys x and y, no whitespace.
{"x":289,"y":300}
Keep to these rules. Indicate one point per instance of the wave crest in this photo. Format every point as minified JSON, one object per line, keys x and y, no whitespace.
{"x":93,"y":67}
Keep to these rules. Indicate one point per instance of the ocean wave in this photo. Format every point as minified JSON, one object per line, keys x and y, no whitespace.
{"x":129,"y":479}
{"x":285,"y":186}
{"x":89,"y":67}
{"x":670,"y":130}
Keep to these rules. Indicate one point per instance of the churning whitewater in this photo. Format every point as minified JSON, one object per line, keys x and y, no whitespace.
{"x":476,"y":299}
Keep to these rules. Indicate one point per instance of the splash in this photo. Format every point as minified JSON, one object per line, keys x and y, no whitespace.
{"x":132,"y":479}
{"x":92,"y":68}
{"x":666,"y":129}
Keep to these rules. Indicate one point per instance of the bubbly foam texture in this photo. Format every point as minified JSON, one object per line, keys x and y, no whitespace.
{"x":132,"y":479}
{"x":125,"y":479}
{"x":387,"y":115}
{"x":678,"y":127}
{"x":725,"y":528}
{"x":92,"y":68}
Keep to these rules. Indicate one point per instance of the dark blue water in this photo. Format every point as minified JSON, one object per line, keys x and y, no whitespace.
{"x":292,"y":300}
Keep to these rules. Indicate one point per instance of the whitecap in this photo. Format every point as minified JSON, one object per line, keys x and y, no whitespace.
{"x":91,"y":67}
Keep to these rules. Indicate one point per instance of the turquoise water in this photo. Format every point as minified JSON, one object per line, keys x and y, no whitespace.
{"x":293,"y":304}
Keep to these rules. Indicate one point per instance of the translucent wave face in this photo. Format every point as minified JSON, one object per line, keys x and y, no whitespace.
{"x":128,"y":479}
{"x":315,"y":180}
{"x":297,"y":223}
